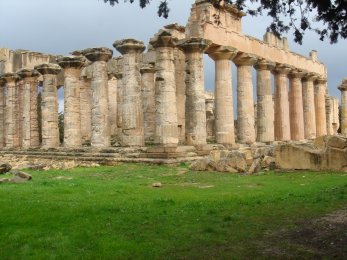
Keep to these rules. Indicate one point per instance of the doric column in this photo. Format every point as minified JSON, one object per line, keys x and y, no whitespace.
{"x":165,"y":90}
{"x":195,"y":94}
{"x":112,"y":103}
{"x":343,"y":89}
{"x":2,"y":112}
{"x":72,"y":108}
{"x":265,"y":106}
{"x":132,"y":114}
{"x":49,"y":105}
{"x":99,"y":85}
{"x":86,"y":108}
{"x":308,"y":104}
{"x":245,"y":101}
{"x":296,"y":110}
{"x":30,"y":124}
{"x":119,"y":76}
{"x":148,"y":98}
{"x":224,"y":110}
{"x":319,"y":102}
{"x":282,"y":119}
{"x":19,"y":109}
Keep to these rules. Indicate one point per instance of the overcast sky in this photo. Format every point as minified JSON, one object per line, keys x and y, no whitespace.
{"x":62,"y":26}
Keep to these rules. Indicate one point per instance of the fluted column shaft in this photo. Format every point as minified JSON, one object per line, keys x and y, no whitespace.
{"x":224,"y":110}
{"x":282,"y":119}
{"x":99,"y":85}
{"x":148,"y":96}
{"x":120,"y":88}
{"x":112,"y":103}
{"x":195,"y":93}
{"x":2,"y":114}
{"x":132,"y":114}
{"x":245,"y":102}
{"x":30,"y":125}
{"x":296,"y":106}
{"x":343,"y":89}
{"x":265,"y":106}
{"x":309,"y":108}
{"x":86,"y":109}
{"x":49,"y":105}
{"x":319,"y":101}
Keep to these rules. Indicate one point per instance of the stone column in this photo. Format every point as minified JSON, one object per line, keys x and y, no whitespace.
{"x":19,"y":108}
{"x":148,"y":97}
{"x":165,"y":90}
{"x":224,"y":110}
{"x":195,"y":94}
{"x":343,"y":89}
{"x":282,"y":119}
{"x":132,"y":114}
{"x":112,"y":103}
{"x":319,"y":102}
{"x":308,"y":103}
{"x":99,"y":85}
{"x":245,"y":101}
{"x":72,"y":107}
{"x":49,"y":105}
{"x":265,"y":106}
{"x":296,"y":105}
{"x":119,"y":76}
{"x":2,"y":114}
{"x":86,"y":109}
{"x":30,"y":124}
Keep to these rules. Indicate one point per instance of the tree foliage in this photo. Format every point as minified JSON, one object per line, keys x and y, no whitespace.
{"x":328,"y":18}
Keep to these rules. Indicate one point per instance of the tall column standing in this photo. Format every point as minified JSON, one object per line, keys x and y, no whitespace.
{"x":86,"y":108}
{"x":112,"y":103}
{"x":49,"y":105}
{"x":308,"y":102}
{"x":2,"y":114}
{"x":265,"y":106}
{"x":282,"y":119}
{"x":319,"y":101}
{"x":99,"y":85}
{"x":224,"y":109}
{"x":343,"y":89}
{"x":30,"y":124}
{"x":195,"y":93}
{"x":119,"y":76}
{"x":132,"y":114}
{"x":72,"y":108}
{"x":245,"y":102}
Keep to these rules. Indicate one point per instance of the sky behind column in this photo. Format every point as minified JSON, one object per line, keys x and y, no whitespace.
{"x":62,"y":26}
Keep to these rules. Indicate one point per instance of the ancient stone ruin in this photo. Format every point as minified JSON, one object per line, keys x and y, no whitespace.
{"x":153,"y":104}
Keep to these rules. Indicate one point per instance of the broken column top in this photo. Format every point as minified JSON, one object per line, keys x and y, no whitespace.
{"x":194,"y":44}
{"x":97,"y":54}
{"x":48,"y":68}
{"x":163,"y":39}
{"x":343,"y":86}
{"x":71,"y":62}
{"x":28,"y":73}
{"x":129,"y":45}
{"x":9,"y":77}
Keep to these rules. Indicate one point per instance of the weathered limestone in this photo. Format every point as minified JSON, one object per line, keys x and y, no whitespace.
{"x":319,"y":101}
{"x":224,"y":111}
{"x":195,"y":94}
{"x":148,"y":98}
{"x":86,"y":108}
{"x":19,"y":108}
{"x":343,"y":89}
{"x":296,"y":105}
{"x":119,"y":76}
{"x":49,"y":105}
{"x":30,"y":124}
{"x":99,"y":85}
{"x":265,"y":107}
{"x":210,"y":119}
{"x":112,"y":102}
{"x":332,"y":114}
{"x":165,"y":90}
{"x":72,"y":108}
{"x":308,"y":103}
{"x":132,"y":114}
{"x":2,"y":114}
{"x":282,"y":119}
{"x":245,"y":104}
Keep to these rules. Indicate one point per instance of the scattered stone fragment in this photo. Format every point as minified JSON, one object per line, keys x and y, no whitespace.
{"x":5,"y":167}
{"x":156,"y":185}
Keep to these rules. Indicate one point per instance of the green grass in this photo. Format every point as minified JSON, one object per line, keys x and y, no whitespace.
{"x":114,"y":213}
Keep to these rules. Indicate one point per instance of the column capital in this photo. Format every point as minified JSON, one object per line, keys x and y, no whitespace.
{"x":296,"y":73}
{"x":310,"y":76}
{"x":28,"y":73}
{"x":163,"y":39}
{"x":245,"y":59}
{"x":223,"y":53}
{"x":343,"y":86}
{"x":48,"y":68}
{"x":9,"y":77}
{"x":282,"y":69}
{"x":264,"y":64}
{"x":194,"y":44}
{"x":71,"y":62}
{"x":321,"y":80}
{"x":147,"y":68}
{"x":129,"y":45}
{"x":97,"y":54}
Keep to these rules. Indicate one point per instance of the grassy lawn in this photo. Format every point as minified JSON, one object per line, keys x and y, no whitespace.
{"x":115,"y":213}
